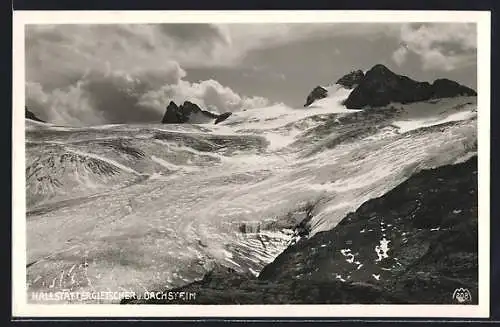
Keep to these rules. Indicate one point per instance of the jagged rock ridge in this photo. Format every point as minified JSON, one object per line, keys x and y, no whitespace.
{"x":380,"y":86}
{"x":30,"y":115}
{"x":189,"y":112}
{"x":415,"y":244}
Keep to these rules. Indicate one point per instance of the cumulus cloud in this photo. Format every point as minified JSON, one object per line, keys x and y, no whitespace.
{"x":194,"y":34}
{"x":94,"y":74}
{"x":441,"y":46}
{"x":111,"y":97}
{"x":51,"y":49}
{"x":55,"y":50}
{"x":118,"y":97}
{"x":399,"y":56}
{"x":208,"y":94}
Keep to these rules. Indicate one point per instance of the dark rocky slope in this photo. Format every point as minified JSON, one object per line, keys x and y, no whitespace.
{"x":430,"y":224}
{"x":28,"y":114}
{"x":184,"y":114}
{"x":380,"y":86}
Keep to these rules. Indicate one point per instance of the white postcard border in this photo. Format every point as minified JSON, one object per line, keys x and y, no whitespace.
{"x":20,"y":307}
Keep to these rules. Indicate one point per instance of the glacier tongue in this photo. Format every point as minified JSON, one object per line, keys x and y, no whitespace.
{"x":146,"y":207}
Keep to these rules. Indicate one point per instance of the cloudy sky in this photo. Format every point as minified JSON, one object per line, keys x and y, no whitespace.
{"x":98,"y":74}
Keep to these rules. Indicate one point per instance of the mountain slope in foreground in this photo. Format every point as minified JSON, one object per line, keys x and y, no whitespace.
{"x":415,"y":244}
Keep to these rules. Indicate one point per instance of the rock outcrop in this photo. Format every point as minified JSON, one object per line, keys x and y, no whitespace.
{"x":316,"y":94}
{"x":380,"y":86}
{"x":352,"y":79}
{"x":416,"y":244}
{"x":222,"y":117}
{"x":189,"y":112}
{"x":28,"y":114}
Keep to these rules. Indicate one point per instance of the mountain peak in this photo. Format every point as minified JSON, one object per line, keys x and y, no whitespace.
{"x":382,"y":71}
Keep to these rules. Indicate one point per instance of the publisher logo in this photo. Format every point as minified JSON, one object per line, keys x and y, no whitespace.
{"x":462,"y":295}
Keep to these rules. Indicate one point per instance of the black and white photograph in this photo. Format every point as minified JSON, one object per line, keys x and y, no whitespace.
{"x":192,"y":163}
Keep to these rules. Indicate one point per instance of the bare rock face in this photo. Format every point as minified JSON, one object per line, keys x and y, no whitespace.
{"x":316,"y":94}
{"x":190,"y":112}
{"x":380,"y":86}
{"x":352,"y":79}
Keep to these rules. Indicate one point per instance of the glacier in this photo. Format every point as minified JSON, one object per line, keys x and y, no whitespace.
{"x":138,"y":207}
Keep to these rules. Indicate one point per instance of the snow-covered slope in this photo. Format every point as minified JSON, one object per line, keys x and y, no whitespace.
{"x":135,"y":207}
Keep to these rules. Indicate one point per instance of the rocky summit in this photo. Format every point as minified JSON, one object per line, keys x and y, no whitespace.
{"x":418,"y":243}
{"x":380,"y":86}
{"x":190,"y":112}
